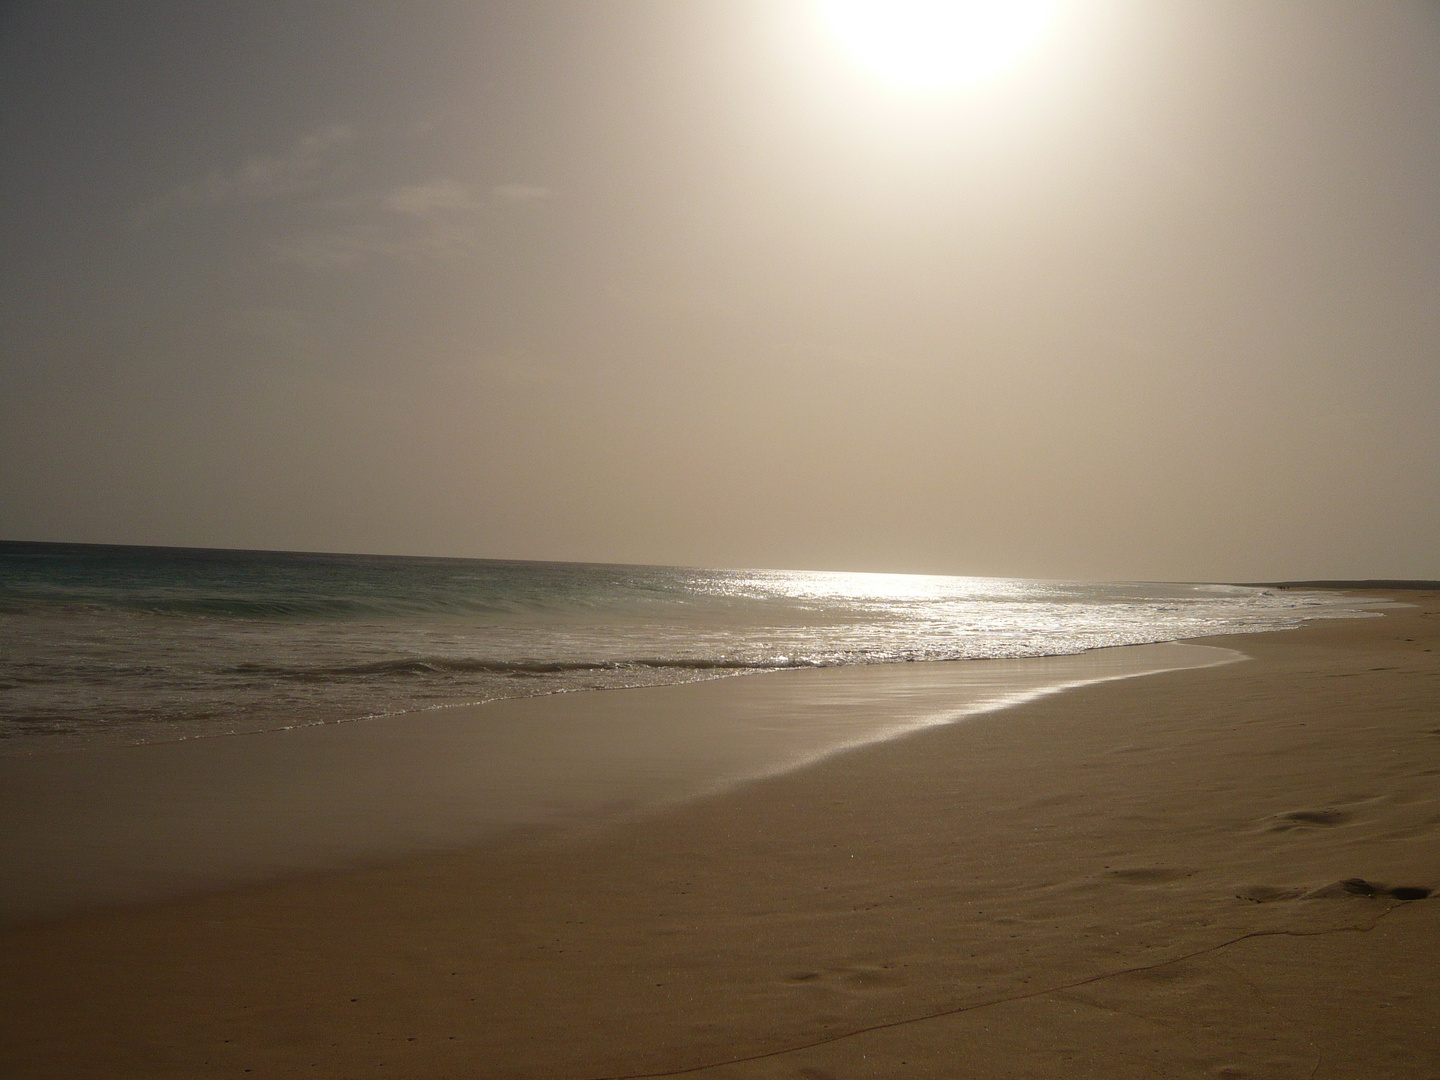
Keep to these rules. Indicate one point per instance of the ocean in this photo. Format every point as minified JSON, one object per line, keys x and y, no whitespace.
{"x":103,"y":645}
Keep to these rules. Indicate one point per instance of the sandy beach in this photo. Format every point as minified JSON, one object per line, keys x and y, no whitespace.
{"x":1207,"y":872}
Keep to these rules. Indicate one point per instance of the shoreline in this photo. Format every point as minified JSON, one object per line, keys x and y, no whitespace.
{"x":109,"y":714}
{"x":107,"y":826}
{"x":1134,"y":878}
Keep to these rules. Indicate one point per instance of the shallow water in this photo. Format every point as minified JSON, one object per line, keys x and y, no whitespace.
{"x":108,"y":645}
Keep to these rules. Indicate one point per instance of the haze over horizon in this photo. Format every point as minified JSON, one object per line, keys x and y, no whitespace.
{"x":690,"y":284}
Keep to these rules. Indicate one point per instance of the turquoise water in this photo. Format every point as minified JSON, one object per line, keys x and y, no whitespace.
{"x":124,"y":644}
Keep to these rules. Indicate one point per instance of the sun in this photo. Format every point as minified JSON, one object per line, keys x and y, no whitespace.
{"x":935,"y":45}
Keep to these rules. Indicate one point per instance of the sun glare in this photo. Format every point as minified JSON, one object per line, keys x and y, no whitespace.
{"x":934,"y":44}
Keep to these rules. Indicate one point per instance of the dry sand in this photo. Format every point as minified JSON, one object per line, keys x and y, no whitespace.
{"x":1137,"y":878}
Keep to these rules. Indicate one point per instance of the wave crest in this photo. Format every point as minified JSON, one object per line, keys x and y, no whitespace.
{"x":421,"y":666}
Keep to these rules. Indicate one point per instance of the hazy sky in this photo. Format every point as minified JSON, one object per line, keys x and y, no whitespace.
{"x":687,"y":283}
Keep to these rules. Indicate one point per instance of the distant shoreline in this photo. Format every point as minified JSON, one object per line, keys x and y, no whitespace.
{"x":1380,"y":584}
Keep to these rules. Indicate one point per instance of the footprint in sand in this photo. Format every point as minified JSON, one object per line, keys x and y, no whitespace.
{"x":850,"y":978}
{"x":1409,"y":892}
{"x":1296,"y":818}
{"x":1360,"y":887}
{"x":1268,"y":894}
{"x":1150,"y":875}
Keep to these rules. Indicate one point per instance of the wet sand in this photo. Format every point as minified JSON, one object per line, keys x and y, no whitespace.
{"x":95,"y":827}
{"x":1198,"y":873}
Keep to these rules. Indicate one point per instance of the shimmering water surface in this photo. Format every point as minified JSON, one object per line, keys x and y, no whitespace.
{"x":121,"y":644}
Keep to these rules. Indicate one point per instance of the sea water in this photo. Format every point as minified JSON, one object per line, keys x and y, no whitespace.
{"x":104,"y":645}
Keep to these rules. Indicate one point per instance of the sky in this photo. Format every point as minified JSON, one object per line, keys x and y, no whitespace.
{"x":695,"y":283}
